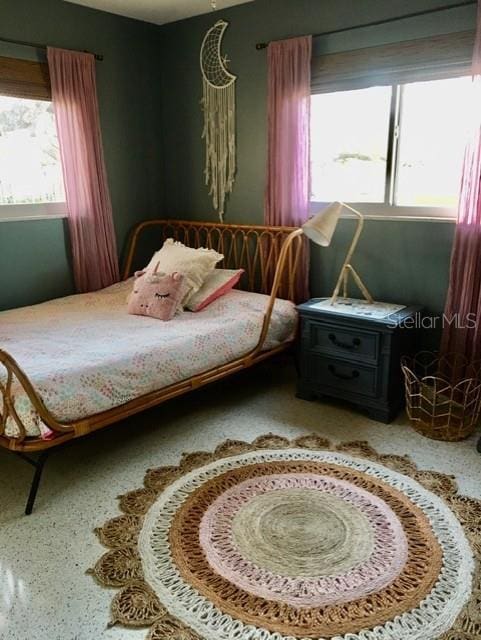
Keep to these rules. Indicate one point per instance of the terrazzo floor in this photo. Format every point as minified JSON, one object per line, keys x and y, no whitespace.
{"x":44,"y":592}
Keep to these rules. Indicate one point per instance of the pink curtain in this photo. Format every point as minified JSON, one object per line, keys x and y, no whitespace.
{"x":288,"y":165}
{"x":462,"y":332}
{"x":90,"y":219}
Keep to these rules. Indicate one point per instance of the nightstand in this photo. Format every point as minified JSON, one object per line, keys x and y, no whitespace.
{"x":353,"y":353}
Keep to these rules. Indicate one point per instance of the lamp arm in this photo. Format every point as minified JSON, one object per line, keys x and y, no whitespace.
{"x":350,"y":253}
{"x":357,"y":235}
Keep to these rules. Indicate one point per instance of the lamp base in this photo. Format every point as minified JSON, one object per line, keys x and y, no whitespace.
{"x":348,"y":270}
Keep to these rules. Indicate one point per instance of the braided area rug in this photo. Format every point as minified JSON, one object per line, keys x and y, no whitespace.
{"x":290,"y":540}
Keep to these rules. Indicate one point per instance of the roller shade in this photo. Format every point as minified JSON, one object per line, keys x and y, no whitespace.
{"x":24,"y":79}
{"x":419,"y":60}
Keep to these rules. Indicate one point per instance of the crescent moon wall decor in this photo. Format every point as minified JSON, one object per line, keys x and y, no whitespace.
{"x":218,"y":104}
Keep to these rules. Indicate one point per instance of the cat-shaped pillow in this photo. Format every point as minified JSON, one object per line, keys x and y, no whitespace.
{"x":156,"y":294}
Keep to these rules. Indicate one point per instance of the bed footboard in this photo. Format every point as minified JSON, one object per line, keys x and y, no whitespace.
{"x":10,"y":375}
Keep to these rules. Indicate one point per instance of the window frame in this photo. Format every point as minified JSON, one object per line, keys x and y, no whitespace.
{"x":36,"y":211}
{"x":388,"y":210}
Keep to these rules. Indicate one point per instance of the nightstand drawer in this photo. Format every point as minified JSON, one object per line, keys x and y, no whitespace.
{"x":354,"y":344}
{"x":339,"y":374}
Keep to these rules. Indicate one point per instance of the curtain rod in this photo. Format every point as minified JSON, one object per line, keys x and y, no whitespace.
{"x":43,"y":47}
{"x":264,"y":45}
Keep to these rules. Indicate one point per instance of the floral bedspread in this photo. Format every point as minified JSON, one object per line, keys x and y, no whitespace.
{"x":84,"y":354}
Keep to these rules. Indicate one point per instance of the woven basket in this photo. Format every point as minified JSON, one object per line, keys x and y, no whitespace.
{"x":443,"y":395}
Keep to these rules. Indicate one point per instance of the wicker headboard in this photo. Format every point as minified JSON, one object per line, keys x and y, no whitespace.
{"x":253,"y":248}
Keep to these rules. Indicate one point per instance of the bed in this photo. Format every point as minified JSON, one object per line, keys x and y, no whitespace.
{"x":71,"y":366}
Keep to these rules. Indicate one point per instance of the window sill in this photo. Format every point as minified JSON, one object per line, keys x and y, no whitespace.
{"x":374,"y":211}
{"x":25,"y":212}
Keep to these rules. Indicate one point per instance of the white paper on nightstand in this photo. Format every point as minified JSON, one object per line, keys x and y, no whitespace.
{"x":353,"y":307}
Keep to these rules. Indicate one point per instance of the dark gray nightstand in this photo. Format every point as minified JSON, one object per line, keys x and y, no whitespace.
{"x":355,"y":357}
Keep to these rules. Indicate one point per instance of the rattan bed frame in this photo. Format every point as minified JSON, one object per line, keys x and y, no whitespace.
{"x":269,"y":256}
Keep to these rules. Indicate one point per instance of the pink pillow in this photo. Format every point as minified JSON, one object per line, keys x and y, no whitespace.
{"x":156,"y":294}
{"x":217,"y":284}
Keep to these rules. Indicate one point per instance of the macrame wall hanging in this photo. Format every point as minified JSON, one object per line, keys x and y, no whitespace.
{"x":218,"y":104}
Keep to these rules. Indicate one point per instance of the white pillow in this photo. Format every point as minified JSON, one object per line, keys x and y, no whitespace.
{"x":194,"y":264}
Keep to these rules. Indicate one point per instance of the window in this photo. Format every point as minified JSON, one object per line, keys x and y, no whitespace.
{"x":398,"y":149}
{"x":432,"y":142}
{"x":350,"y":132}
{"x":31,"y":182}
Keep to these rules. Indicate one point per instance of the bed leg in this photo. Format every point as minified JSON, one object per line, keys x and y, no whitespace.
{"x":38,"y":464}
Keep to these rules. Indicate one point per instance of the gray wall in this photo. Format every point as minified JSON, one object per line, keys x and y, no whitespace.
{"x":149,"y":91}
{"x":34,"y":260}
{"x":400,"y":261}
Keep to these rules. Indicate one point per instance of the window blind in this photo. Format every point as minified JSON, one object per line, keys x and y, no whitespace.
{"x":24,"y":79}
{"x":419,"y":60}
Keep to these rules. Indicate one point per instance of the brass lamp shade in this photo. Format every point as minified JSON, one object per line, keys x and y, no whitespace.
{"x":320,"y":228}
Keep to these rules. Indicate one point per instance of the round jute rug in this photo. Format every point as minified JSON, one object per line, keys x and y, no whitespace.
{"x":288,"y":540}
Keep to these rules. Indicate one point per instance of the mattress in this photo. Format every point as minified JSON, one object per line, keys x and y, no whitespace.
{"x":85,"y":354}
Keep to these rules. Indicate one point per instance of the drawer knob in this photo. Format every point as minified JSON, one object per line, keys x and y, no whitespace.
{"x":343,"y":376}
{"x":356,"y":343}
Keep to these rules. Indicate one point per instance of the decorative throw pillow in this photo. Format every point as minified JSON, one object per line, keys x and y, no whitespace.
{"x":217,"y":284}
{"x":156,"y":294}
{"x":194,"y":264}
